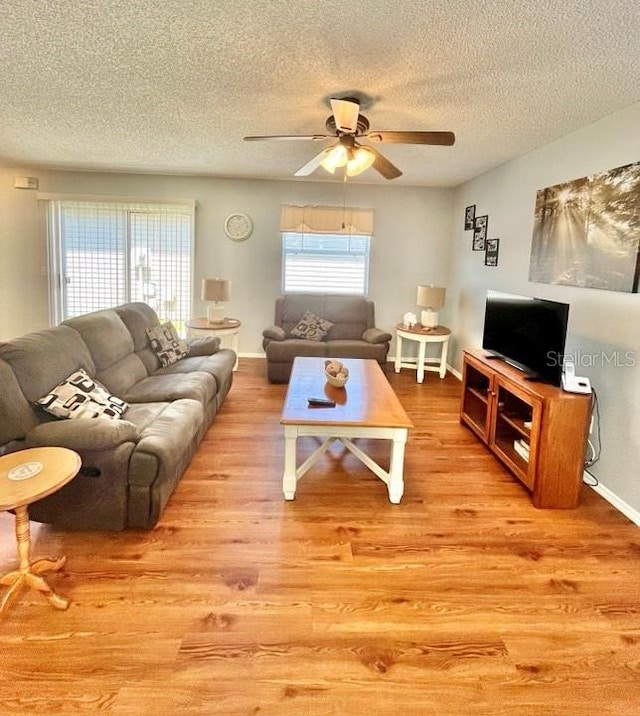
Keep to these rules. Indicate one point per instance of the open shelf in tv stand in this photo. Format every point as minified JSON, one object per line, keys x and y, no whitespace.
{"x":503,"y":407}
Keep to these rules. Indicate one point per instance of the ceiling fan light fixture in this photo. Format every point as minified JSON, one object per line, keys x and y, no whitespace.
{"x":334,"y":158}
{"x":363,"y":158}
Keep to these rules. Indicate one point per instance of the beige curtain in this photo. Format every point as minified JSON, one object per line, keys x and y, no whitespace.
{"x":326,"y":220}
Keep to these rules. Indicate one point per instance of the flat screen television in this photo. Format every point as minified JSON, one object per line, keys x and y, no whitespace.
{"x":528,"y":333}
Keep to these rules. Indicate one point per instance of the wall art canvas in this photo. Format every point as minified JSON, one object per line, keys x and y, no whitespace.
{"x":492,"y":250}
{"x":480,"y":226}
{"x":469,"y":217}
{"x":587,"y":232}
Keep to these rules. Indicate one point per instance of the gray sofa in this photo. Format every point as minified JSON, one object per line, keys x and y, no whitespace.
{"x":352,"y":335}
{"x":130,"y":466}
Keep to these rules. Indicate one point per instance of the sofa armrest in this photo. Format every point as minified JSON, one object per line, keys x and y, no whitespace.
{"x":375,"y":335}
{"x":89,"y":434}
{"x":203,"y":345}
{"x":275,"y":333}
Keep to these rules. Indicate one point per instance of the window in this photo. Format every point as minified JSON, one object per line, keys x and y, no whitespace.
{"x":325,"y":263}
{"x":325,"y":249}
{"x":103,"y":254}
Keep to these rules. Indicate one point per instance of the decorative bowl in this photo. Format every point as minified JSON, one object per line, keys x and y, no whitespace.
{"x":335,"y":381}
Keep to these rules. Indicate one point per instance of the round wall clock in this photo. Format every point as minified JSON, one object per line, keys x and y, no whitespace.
{"x":238,"y":227}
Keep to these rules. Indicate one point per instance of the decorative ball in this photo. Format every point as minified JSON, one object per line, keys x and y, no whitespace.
{"x":337,"y":373}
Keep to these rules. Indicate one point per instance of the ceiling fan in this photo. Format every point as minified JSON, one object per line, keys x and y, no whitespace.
{"x":347,"y":125}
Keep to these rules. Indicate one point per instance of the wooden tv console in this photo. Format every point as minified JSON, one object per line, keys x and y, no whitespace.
{"x":508,"y":412}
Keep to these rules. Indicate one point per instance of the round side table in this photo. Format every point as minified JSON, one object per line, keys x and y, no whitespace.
{"x":27,"y":476}
{"x":438,"y":334}
{"x":228,"y":331}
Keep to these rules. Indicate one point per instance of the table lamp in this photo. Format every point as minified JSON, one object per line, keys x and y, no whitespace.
{"x":431,"y":298}
{"x":218,"y":291}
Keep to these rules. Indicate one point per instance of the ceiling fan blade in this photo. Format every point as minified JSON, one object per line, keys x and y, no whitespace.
{"x":443,"y":138}
{"x":312,"y":164}
{"x":279,"y":137}
{"x":383,"y":166}
{"x":345,"y":112}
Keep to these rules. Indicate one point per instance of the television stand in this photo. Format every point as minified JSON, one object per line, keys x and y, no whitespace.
{"x":538,"y":431}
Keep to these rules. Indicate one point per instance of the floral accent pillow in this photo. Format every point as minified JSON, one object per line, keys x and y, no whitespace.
{"x":311,"y":327}
{"x":81,"y":396}
{"x":167,"y":344}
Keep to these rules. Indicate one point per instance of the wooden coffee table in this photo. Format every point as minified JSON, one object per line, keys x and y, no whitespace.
{"x":27,"y":476}
{"x":366,"y":407}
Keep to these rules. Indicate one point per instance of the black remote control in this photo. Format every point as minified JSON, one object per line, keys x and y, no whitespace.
{"x":321,"y":403}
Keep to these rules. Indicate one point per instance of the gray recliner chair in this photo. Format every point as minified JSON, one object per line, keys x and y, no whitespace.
{"x":352,"y":335}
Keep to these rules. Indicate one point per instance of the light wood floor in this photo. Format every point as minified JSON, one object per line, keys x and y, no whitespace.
{"x":462,"y":600}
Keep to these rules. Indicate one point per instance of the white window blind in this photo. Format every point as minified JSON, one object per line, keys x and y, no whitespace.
{"x":103,"y":254}
{"x":325,"y":263}
{"x":325,"y":249}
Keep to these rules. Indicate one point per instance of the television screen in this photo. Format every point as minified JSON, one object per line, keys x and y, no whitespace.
{"x":528,"y":333}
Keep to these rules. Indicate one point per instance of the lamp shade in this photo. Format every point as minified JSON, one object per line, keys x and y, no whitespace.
{"x":363,"y":158}
{"x":215,"y":289}
{"x":431,"y":296}
{"x":334,"y":157}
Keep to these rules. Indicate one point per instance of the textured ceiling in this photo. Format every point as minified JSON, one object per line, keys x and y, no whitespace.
{"x":172,"y":86}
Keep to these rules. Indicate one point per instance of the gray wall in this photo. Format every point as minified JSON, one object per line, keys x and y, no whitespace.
{"x":411,"y":243}
{"x":600,"y":322}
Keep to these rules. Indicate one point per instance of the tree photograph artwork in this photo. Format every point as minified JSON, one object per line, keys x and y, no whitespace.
{"x":587,"y":232}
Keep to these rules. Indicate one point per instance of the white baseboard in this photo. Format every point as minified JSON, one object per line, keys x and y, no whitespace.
{"x":455,"y":372}
{"x":613,"y":499}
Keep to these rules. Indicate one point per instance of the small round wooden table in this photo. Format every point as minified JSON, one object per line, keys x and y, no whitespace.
{"x":27,"y":476}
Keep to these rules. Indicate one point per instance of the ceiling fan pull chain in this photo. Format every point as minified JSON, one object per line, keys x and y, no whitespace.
{"x":344,"y":197}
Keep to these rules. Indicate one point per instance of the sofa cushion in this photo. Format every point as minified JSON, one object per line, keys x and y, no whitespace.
{"x":167,"y":344}
{"x":166,"y":388}
{"x":286,"y":351}
{"x":137,"y":317}
{"x":111,"y":346}
{"x":218,"y":365}
{"x":79,"y":397}
{"x":357,"y":349}
{"x":44,"y":358}
{"x":311,"y":327}
{"x":106,"y":336}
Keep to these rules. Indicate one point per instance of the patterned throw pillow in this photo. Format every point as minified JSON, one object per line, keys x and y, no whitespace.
{"x":80,"y":396}
{"x":167,"y":344}
{"x":311,"y":327}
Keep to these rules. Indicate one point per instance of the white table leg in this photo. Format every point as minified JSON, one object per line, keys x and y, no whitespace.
{"x":396,"y":468}
{"x":443,"y":358}
{"x":289,"y":478}
{"x":398,"y":353}
{"x":420,"y":367}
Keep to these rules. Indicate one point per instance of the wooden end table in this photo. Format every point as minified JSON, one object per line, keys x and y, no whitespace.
{"x":227,"y":330}
{"x":438,"y":334}
{"x":27,"y":476}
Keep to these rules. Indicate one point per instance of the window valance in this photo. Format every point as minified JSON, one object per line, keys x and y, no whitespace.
{"x":327,"y":220}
